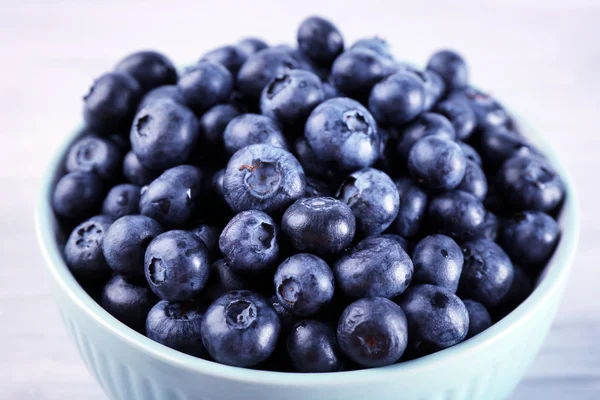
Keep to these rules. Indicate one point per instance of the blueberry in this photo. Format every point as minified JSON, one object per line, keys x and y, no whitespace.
{"x":530,"y":237}
{"x":437,"y":318}
{"x":135,"y":172}
{"x":312,"y":164}
{"x":451,"y":67}
{"x":250,"y":242}
{"x":316,"y":188}
{"x":260,"y":68}
{"x":176,"y":265}
{"x":93,"y":154}
{"x":375,"y":267}
{"x":330,"y":91}
{"x":376,"y":44}
{"x":128,"y":302}
{"x":149,"y":68}
{"x":342,"y":131}
{"x":302,"y":60}
{"x":217,"y":182}
{"x":170,"y":198}
{"x":403,"y":242}
{"x":460,"y":115}
{"x":247,"y":129}
{"x":373,"y":332}
{"x":168,"y":92}
{"x":240,"y":328}
{"x":287,"y":319}
{"x":111,"y":103}
{"x":123,"y":199}
{"x":433,"y":86}
{"x":356,"y":71}
{"x":437,"y":163}
{"x":520,"y":288}
{"x":373,"y":198}
{"x":83,"y":251}
{"x":209,"y":235}
{"x":458,"y":214}
{"x":320,"y":40}
{"x":178,"y":326}
{"x":214,"y":121}
{"x":77,"y":195}
{"x":479,"y":318}
{"x":290,"y":97}
{"x":163,"y":134}
{"x":487,"y":272}
{"x":488,"y":112}
{"x":205,"y":85}
{"x":438,"y":260}
{"x":427,"y":124}
{"x":397,"y":99}
{"x":125,"y":244}
{"x":263,"y":177}
{"x":474,"y":181}
{"x":530,"y":183}
{"x":312,"y":347}
{"x":413,"y":207}
{"x":251,"y":45}
{"x":320,"y":225}
{"x":470,"y":153}
{"x":229,"y":56}
{"x":498,"y":145}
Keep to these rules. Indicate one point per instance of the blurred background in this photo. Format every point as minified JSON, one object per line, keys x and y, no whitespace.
{"x":540,"y":58}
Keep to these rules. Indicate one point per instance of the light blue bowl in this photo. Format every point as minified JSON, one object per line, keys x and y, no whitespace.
{"x":130,"y":366}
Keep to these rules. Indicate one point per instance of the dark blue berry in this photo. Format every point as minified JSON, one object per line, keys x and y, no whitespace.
{"x":149,"y":68}
{"x":433,"y":85}
{"x":403,"y":242}
{"x":217,"y":182}
{"x":247,"y":129}
{"x":214,"y":121}
{"x":520,"y":288}
{"x":78,"y":195}
{"x":451,"y":67}
{"x":356,"y":71}
{"x":176,"y":265}
{"x":316,"y":188}
{"x":83,"y":251}
{"x":460,"y":114}
{"x":312,"y":347}
{"x":488,"y":112}
{"x":470,"y":153}
{"x":287,"y":319}
{"x":168,"y":92}
{"x":135,"y":172}
{"x":209,"y":234}
{"x":437,"y":163}
{"x":312,"y":164}
{"x":413,"y":207}
{"x":398,"y":99}
{"x":123,"y":199}
{"x":376,"y":44}
{"x":251,"y":45}
{"x":458,"y":214}
{"x":228,"y":56}
{"x":438,"y":260}
{"x":474,"y":181}
{"x":499,"y":144}
{"x":128,"y":302}
{"x":479,"y":318}
{"x":260,"y":68}
{"x":320,"y":40}
{"x":428,"y":124}
{"x":94,"y":154}
{"x":205,"y":85}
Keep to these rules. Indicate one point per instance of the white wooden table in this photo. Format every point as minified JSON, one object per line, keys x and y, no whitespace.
{"x":541,"y":58}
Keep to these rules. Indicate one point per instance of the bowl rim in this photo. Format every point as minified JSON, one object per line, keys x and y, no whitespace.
{"x":557,"y":272}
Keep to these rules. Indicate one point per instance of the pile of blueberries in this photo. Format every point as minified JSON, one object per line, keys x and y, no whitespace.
{"x":314,"y":208}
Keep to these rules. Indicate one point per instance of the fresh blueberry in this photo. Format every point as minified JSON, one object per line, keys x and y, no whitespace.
{"x":499,"y":144}
{"x":320,"y":40}
{"x":205,"y":85}
{"x":320,"y":225}
{"x":313,"y":165}
{"x":488,"y":112}
{"x":451,"y":67}
{"x":373,"y":332}
{"x":123,"y":199}
{"x":316,"y":188}
{"x":223,"y":279}
{"x":250,"y":242}
{"x":304,"y":284}
{"x":217,"y":182}
{"x":520,"y":288}
{"x":458,"y":214}
{"x":397,"y":99}
{"x":330,"y":91}
{"x":125,"y":244}
{"x":460,"y":115}
{"x":135,"y":172}
{"x":433,"y":85}
{"x":263,"y":177}
{"x":128,"y":302}
{"x":83,"y":251}
{"x":78,"y":195}
{"x":163,"y":134}
{"x":229,"y":56}
{"x":470,"y":153}
{"x":376,"y":44}
{"x":342,"y":131}
{"x":530,"y":183}
{"x":312,"y":347}
{"x":413,"y":207}
{"x":427,"y":124}
{"x":250,"y":46}
{"x":356,"y":71}
{"x":487,"y":272}
{"x":149,"y":68}
{"x":438,"y":260}
{"x":170,"y":198}
{"x":260,"y":68}
{"x":94,"y":154}
{"x":474,"y":181}
{"x":290,"y":97}
{"x":302,"y":60}
{"x":247,"y":129}
{"x":209,"y":234}
{"x":168,"y":92}
{"x":214,"y":121}
{"x":111,"y":103}
{"x":373,"y":198}
{"x":240,"y":328}
{"x":437,"y":163}
{"x":436,"y":317}
{"x":403,"y":242}
{"x":176,"y":265}
{"x":178,"y":326}
{"x":479,"y":318}
{"x":375,"y":267}
{"x":530,"y":237}
{"x":288,"y":320}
